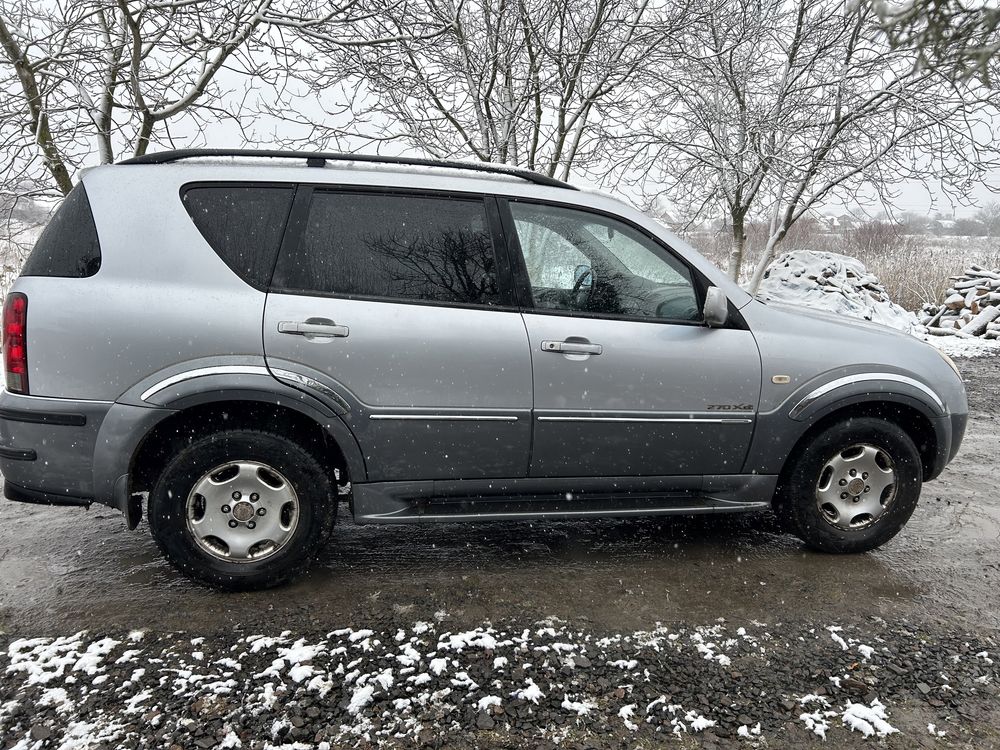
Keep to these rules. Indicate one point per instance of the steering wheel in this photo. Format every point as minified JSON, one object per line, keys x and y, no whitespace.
{"x":578,"y":295}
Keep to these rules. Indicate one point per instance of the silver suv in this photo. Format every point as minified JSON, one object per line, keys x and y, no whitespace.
{"x":239,"y":340}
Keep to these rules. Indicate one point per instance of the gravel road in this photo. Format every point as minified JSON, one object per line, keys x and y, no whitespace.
{"x":583,"y":634}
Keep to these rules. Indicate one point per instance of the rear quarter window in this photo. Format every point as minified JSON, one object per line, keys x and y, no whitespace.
{"x":244,"y":224}
{"x":68,"y":246}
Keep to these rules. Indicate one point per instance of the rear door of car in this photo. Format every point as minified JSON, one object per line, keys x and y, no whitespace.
{"x":400,"y":302}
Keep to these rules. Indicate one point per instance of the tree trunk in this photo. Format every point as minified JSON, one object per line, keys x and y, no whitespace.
{"x":738,"y":246}
{"x":38,"y":117}
{"x":765,"y":260}
{"x":145,"y":130}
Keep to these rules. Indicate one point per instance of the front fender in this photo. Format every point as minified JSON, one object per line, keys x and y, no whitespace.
{"x":778,"y":431}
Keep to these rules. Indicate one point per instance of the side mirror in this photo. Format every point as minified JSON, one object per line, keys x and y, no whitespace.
{"x":716,"y":309}
{"x":583,"y":276}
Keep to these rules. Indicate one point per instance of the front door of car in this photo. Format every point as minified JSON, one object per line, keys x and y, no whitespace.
{"x":628,"y":380}
{"x":400,"y":304}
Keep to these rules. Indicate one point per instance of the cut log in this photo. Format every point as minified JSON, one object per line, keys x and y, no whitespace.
{"x":955,"y":302}
{"x":949,"y":332}
{"x":978,"y":324}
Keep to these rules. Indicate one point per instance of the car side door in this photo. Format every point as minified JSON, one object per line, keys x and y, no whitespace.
{"x":399,"y":302}
{"x":628,"y":379}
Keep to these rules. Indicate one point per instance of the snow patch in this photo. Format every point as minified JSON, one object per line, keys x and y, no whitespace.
{"x":490,"y":700}
{"x":581,"y":708}
{"x":869,"y":720}
{"x":530,"y":692}
{"x":361,"y":698}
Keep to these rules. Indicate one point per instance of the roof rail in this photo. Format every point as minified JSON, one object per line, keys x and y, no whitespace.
{"x":319,"y":159}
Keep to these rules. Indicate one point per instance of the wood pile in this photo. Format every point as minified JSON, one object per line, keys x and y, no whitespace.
{"x":833,"y":283}
{"x":971,"y":308}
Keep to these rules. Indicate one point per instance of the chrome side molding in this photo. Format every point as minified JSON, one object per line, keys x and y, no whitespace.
{"x":674,"y":420}
{"x":446,"y":417}
{"x":297,"y":380}
{"x":203,"y":372}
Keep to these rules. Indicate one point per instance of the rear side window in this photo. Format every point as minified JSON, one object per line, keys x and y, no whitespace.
{"x":68,"y":246}
{"x":394,"y":246}
{"x":243,"y":224}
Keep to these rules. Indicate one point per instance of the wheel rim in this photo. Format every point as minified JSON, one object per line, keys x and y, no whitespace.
{"x":856,"y":486}
{"x":242,"y":511}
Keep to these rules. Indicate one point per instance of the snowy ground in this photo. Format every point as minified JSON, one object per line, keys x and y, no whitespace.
{"x":426,"y":684}
{"x":967,"y":348}
{"x":448,"y":635}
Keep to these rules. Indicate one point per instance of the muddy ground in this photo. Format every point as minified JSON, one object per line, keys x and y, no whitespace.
{"x":931,"y":590}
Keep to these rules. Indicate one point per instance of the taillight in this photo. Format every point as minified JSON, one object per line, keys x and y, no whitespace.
{"x":15,"y":342}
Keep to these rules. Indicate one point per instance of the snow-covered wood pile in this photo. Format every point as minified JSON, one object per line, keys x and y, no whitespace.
{"x":971,"y":308}
{"x":833,"y":283}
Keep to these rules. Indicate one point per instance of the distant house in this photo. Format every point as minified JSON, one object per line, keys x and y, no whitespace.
{"x":838,"y":224}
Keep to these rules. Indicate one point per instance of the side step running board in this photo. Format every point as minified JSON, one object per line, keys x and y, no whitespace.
{"x":410,"y":502}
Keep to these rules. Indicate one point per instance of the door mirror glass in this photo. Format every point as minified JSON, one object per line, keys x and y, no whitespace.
{"x":583,"y":277}
{"x":716,"y":309}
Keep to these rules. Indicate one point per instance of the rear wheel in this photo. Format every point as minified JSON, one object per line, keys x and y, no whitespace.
{"x":242,"y":509}
{"x":853,"y":487}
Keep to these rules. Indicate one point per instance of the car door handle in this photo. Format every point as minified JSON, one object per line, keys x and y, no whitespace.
{"x":571,"y":347}
{"x":325,"y":329}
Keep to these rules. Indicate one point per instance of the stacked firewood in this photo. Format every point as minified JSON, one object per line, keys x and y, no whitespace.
{"x":971,"y":308}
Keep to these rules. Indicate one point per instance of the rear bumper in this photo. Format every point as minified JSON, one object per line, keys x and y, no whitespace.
{"x":37,"y":497}
{"x":47,"y":448}
{"x":68,"y":452}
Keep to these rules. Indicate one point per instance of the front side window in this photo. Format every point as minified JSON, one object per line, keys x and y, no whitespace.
{"x":583,"y":262}
{"x":394,"y":246}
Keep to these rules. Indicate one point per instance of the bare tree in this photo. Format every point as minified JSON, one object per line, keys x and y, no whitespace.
{"x":103,"y":76}
{"x":513,"y":81}
{"x":779,"y":106}
{"x":85,"y":81}
{"x":989,"y":215}
{"x":959,"y":37}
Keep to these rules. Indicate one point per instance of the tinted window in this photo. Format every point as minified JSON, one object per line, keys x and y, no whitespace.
{"x":396,"y":246}
{"x":68,"y":246}
{"x":243,"y":224}
{"x":583,"y":262}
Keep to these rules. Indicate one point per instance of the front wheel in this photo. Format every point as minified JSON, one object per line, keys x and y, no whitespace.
{"x":853,"y":487}
{"x":242,"y":509}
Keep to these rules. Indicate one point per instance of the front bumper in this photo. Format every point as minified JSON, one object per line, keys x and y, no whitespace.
{"x":958,"y":425}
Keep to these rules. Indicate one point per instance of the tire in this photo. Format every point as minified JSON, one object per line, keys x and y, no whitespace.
{"x":241,"y":477}
{"x":811,"y":498}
